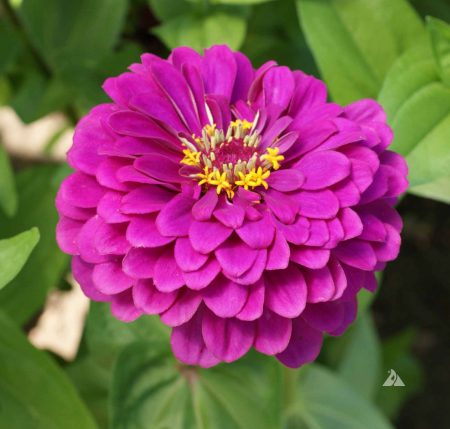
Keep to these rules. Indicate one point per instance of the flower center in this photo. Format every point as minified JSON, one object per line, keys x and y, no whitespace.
{"x":228,"y":160}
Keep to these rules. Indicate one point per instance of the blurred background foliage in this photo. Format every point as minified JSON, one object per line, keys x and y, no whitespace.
{"x":54,"y":56}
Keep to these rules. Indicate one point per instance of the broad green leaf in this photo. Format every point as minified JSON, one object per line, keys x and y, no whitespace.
{"x":439,"y":8}
{"x":361,"y":360}
{"x":37,"y":187}
{"x":440,"y":40}
{"x":397,"y":355}
{"x":8,"y":194}
{"x":69,"y":33}
{"x":10,"y":45}
{"x":239,"y":2}
{"x":106,"y":336}
{"x":418,"y":108}
{"x":438,"y":190}
{"x":356,"y":42}
{"x":151,"y":390}
{"x":34,"y":392}
{"x":165,"y":10}
{"x":325,"y":401}
{"x":14,"y":252}
{"x":200,"y":32}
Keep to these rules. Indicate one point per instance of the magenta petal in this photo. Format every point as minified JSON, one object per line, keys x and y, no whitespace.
{"x":351,"y":223}
{"x":350,"y":309}
{"x":255,"y":272}
{"x":188,"y":345}
{"x":339,"y":278}
{"x":139,"y":263}
{"x":325,"y":316}
{"x":109,"y":278}
{"x":320,"y":285}
{"x":85,"y":241}
{"x":82,"y":273}
{"x":284,"y":207}
{"x":81,"y":190}
{"x":167,"y":275}
{"x":202,"y":277}
{"x":146,"y":199}
{"x":159,"y":167}
{"x":230,"y":215}
{"x":206,"y":236}
{"x":278,"y":254}
{"x":258,"y":234}
{"x":67,"y":231}
{"x":109,"y":208}
{"x":142,"y":232}
{"x":318,"y":233}
{"x":273,"y":333}
{"x":224,"y":297}
{"x":187,"y":258}
{"x":235,"y":257}
{"x":109,"y":239}
{"x":183,"y":308}
{"x":123,"y":308}
{"x":227,"y":339}
{"x":373,"y":228}
{"x":244,"y":77}
{"x":175,"y":218}
{"x":318,"y":204}
{"x":204,"y":207}
{"x":310,"y":257}
{"x":149,"y":299}
{"x":296,"y":233}
{"x":67,"y":209}
{"x":286,"y":180}
{"x":356,"y":253}
{"x":323,"y":169}
{"x":253,"y":307}
{"x":304,"y":346}
{"x":278,"y":86}
{"x":388,"y":250}
{"x":286,"y":291}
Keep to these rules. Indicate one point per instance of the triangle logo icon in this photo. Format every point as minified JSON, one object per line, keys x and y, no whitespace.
{"x":393,"y":379}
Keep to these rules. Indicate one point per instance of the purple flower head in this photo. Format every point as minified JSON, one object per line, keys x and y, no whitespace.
{"x":237,"y":204}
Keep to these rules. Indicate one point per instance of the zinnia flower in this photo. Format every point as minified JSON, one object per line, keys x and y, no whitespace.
{"x":236,"y":203}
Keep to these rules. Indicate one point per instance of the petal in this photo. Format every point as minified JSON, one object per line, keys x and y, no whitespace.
{"x":323,"y":169}
{"x":296,"y":233}
{"x":81,"y":190}
{"x":159,"y":167}
{"x":187,"y":258}
{"x":325,"y":316}
{"x":202,"y":277}
{"x":227,"y":339}
{"x":278,"y":254}
{"x":258,"y":234}
{"x":67,"y":231}
{"x":356,"y":253}
{"x":109,"y":208}
{"x":388,"y":250}
{"x":206,"y":236}
{"x":230,"y":215}
{"x":109,"y":239}
{"x":109,"y":278}
{"x":235,"y":257}
{"x":167,"y":276}
{"x":85,"y":242}
{"x":225,"y":298}
{"x":183,"y":308}
{"x":278,"y":86}
{"x":82,"y":273}
{"x":351,"y":223}
{"x":273,"y":333}
{"x":149,"y":299}
{"x":286,"y":291}
{"x":188,"y":345}
{"x":304,"y":346}
{"x":139,"y":263}
{"x":286,"y":180}
{"x":175,"y":218}
{"x":284,"y":207}
{"x":318,"y":204}
{"x":146,"y":199}
{"x":253,"y":307}
{"x":123,"y":308}
{"x":204,"y":207}
{"x":255,"y":272}
{"x":320,"y":285}
{"x":142,"y":232}
{"x":310,"y":257}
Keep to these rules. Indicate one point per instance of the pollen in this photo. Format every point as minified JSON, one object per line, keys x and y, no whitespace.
{"x":230,"y":159}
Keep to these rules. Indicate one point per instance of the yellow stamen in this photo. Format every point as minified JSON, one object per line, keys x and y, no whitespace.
{"x":246,"y":125}
{"x":210,"y":129}
{"x":246,"y":180}
{"x":259,"y":176}
{"x":205,"y":177}
{"x":273,"y":157}
{"x":220,"y":180}
{"x":190,"y":158}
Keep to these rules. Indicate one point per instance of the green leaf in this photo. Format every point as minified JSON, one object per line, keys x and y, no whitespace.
{"x":10,"y":45}
{"x":165,"y":10}
{"x":106,"y":336}
{"x":34,"y":392}
{"x":200,"y":32}
{"x":151,"y":390}
{"x":440,"y":40}
{"x":37,"y":187}
{"x":438,"y":190}
{"x":356,"y":42}
{"x":397,"y":355}
{"x":361,"y":361}
{"x":14,"y":252}
{"x":67,"y":34}
{"x":418,"y":108}
{"x":8,"y":195}
{"x":325,"y":401}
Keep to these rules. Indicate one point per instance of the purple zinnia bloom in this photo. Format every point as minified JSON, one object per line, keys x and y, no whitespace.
{"x":237,"y":204}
